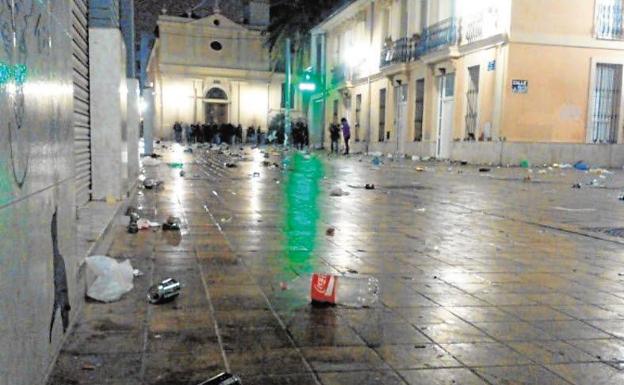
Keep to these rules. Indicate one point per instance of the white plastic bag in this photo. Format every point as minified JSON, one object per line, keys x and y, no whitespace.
{"x":113,"y":280}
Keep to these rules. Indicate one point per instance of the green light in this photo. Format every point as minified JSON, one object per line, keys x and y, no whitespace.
{"x":307,"y":87}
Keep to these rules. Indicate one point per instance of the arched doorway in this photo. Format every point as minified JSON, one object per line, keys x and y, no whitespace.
{"x":216,"y":106}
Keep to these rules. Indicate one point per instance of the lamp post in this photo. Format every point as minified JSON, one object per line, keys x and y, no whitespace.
{"x":287,"y":98}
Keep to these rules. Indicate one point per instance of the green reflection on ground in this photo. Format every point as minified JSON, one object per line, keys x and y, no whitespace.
{"x":301,"y":195}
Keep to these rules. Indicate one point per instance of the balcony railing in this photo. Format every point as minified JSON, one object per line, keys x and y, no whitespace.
{"x":480,"y":25}
{"x":437,"y":36}
{"x":610,"y":20}
{"x":402,"y":50}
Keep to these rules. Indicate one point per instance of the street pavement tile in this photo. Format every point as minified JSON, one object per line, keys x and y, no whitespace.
{"x":569,"y":330}
{"x":536,"y":313}
{"x":274,"y":361}
{"x":485,"y":354}
{"x":175,"y":367}
{"x":551,"y":352}
{"x":293,"y":379}
{"x":87,"y":369}
{"x":481,"y":314}
{"x":499,"y":299}
{"x":377,"y":377}
{"x":610,"y":351}
{"x":589,"y":373}
{"x":331,"y":359}
{"x":416,"y":356}
{"x":614,"y":327}
{"x":513,"y":331}
{"x":441,"y":377}
{"x":520,"y":375}
{"x":238,"y":339}
{"x":389,"y":333}
{"x":320,"y":335}
{"x":104,"y":342}
{"x":454,"y":333}
{"x":589,"y":312}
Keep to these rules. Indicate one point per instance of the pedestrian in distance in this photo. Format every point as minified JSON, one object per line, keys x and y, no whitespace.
{"x":346,"y":134}
{"x":334,"y":133}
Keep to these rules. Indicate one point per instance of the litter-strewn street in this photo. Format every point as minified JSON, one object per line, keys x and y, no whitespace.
{"x":499,"y":276}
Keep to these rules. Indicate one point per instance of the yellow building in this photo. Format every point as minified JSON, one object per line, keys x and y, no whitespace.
{"x":207,"y":68}
{"x":479,"y":80}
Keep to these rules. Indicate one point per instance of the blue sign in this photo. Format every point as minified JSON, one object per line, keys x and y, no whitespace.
{"x":492,"y":65}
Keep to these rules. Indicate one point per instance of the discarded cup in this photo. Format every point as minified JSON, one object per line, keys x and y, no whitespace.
{"x":165,"y":291}
{"x":230,"y":165}
{"x":344,"y":290}
{"x":525,"y":163}
{"x":133,"y":227}
{"x":582,"y":166}
{"x":369,"y":186}
{"x":172,"y":224}
{"x":223,"y":379}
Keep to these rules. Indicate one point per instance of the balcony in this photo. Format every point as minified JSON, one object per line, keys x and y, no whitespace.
{"x":399,"y":51}
{"x":438,"y":36}
{"x":481,"y":25}
{"x":339,"y":74}
{"x":609,"y":20}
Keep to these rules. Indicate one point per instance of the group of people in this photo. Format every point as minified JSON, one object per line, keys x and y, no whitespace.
{"x":207,"y":133}
{"x":334,"y":133}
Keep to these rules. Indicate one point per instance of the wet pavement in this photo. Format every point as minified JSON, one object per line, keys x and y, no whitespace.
{"x":486,"y":278}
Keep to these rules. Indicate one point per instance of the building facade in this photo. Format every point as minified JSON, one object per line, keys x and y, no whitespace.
{"x":493,"y":81}
{"x":210,"y":69}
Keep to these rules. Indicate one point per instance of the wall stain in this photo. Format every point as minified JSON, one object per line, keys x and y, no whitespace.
{"x":61,"y":292}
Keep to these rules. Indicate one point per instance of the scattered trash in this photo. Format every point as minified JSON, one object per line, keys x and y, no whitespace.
{"x":330,"y":232}
{"x":596,"y":183}
{"x":415,"y":158}
{"x":338,"y":192}
{"x":463,"y":162}
{"x":421,"y":210}
{"x":426,"y":158}
{"x":582,"y":166}
{"x":283,"y":285}
{"x":230,"y":165}
{"x":144,"y":224}
{"x":542,"y":171}
{"x":131,"y":210}
{"x":175,"y":165}
{"x":266,"y":163}
{"x":376,"y":161}
{"x":420,"y":346}
{"x":182,"y":173}
{"x":256,"y":174}
{"x":354,"y":291}
{"x":485,"y":169}
{"x":137,"y":273}
{"x":150,"y":183}
{"x":165,"y":291}
{"x":133,"y":227}
{"x":621,"y":197}
{"x":113,"y":280}
{"x":188,"y":150}
{"x":420,"y":169}
{"x":88,"y":367}
{"x":576,"y":185}
{"x":226,"y":220}
{"x":390,"y":156}
{"x":528,"y":178}
{"x":172,"y":224}
{"x":525,"y":163}
{"x":369,"y":186}
{"x":223,"y":379}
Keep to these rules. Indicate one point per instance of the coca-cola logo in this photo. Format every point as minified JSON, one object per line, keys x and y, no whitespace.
{"x":321,"y":282}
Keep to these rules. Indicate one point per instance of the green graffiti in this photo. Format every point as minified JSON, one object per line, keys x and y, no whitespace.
{"x":301,"y":194}
{"x":17,"y":73}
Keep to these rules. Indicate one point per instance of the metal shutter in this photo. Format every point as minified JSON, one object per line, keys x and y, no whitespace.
{"x":82,"y":122}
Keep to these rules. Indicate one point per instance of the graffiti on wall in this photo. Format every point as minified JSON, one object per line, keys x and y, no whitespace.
{"x":61,"y":291}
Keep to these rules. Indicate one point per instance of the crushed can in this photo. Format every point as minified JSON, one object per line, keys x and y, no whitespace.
{"x":223,"y":379}
{"x":165,"y":291}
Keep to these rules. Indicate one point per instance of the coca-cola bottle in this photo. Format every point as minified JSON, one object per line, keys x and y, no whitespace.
{"x":344,"y":290}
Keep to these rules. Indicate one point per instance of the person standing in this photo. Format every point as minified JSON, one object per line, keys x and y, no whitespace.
{"x":334,"y":133}
{"x":177,"y":131}
{"x":346,"y":134}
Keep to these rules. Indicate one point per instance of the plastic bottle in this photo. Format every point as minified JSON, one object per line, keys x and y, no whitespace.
{"x":344,"y":290}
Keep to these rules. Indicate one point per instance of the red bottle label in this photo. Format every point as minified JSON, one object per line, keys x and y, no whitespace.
{"x":323,"y":288}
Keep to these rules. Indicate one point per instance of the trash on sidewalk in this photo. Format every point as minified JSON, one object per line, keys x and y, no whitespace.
{"x":165,"y":291}
{"x":576,"y":185}
{"x":137,"y":273}
{"x":525,"y":163}
{"x":581,"y":166}
{"x":172,"y":224}
{"x":415,"y":158}
{"x":256,"y":175}
{"x":421,"y":210}
{"x":188,"y":150}
{"x":596,"y":183}
{"x":354,"y":291}
{"x":338,"y":192}
{"x":463,"y":162}
{"x":150,"y":183}
{"x":376,"y":161}
{"x":182,"y":173}
{"x":133,"y":226}
{"x":226,"y":220}
{"x":144,"y":224}
{"x":230,"y":165}
{"x":113,"y":280}
{"x":223,"y":379}
{"x":330,"y":232}
{"x":420,"y":169}
{"x":369,"y":186}
{"x":621,"y":197}
{"x":485,"y":169}
{"x":175,"y":165}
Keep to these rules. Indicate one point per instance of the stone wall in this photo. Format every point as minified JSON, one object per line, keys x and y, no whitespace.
{"x":39,"y":282}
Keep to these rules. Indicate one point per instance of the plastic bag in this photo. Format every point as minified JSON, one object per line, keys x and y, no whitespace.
{"x":113,"y":280}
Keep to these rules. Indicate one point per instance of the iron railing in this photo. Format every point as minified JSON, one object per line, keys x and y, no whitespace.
{"x":440,"y":35}
{"x":402,"y":50}
{"x":480,"y":25}
{"x":609,"y":20}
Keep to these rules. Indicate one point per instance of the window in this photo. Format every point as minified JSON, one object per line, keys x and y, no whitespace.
{"x":216,"y":93}
{"x":472,"y":103}
{"x":215,"y":45}
{"x":609,"y":23}
{"x":449,"y":85}
{"x":319,"y":54}
{"x":382,"y":114}
{"x":606,"y":103}
{"x":420,"y":110}
{"x":358,"y":113}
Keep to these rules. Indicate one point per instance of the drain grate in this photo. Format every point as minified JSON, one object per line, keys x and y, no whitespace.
{"x":612,"y":231}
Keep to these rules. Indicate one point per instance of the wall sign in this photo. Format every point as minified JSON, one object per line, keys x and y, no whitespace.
{"x":519,"y":86}
{"x":491,"y":65}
